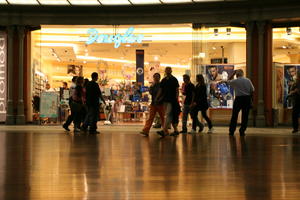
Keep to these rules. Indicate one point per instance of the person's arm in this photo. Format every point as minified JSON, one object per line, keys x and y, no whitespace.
{"x":232,"y":75}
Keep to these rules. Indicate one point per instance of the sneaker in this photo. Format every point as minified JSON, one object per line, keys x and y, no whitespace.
{"x":144,"y":133}
{"x":175,"y":133}
{"x":295,"y":131}
{"x":66,"y":127}
{"x":210,"y":131}
{"x":192,"y":131}
{"x":161,"y":133}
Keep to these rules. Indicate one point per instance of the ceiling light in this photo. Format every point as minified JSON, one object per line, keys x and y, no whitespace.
{"x":29,"y":2}
{"x":115,"y":2}
{"x":127,"y":45}
{"x":84,"y":62}
{"x":54,"y":2}
{"x":176,"y":1}
{"x":84,"y":2}
{"x":284,"y":47}
{"x":145,"y":1}
{"x":214,"y":48}
{"x":156,"y":58}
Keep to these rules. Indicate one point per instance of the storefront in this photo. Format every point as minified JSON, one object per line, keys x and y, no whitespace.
{"x":60,"y":52}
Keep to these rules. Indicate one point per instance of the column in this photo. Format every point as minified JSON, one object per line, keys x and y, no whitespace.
{"x":249,"y":60}
{"x":260,"y":119}
{"x":10,"y":118}
{"x":20,"y":116}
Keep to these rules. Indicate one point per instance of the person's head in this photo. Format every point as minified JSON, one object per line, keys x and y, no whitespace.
{"x":200,"y":79}
{"x":65,"y":85}
{"x":79,"y":81}
{"x":86,"y":80}
{"x":74,"y":79}
{"x":94,"y":76}
{"x":156,"y":77}
{"x":48,"y":86}
{"x":186,"y":78}
{"x":213,"y":71}
{"x":168,"y":71}
{"x":239,"y":73}
{"x":292,"y":71}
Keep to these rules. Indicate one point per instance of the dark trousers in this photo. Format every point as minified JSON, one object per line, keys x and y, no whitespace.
{"x":92,"y":117}
{"x":295,"y":116}
{"x":70,"y":117}
{"x":78,"y":112}
{"x":195,"y":119}
{"x":240,"y":103}
{"x":185,"y":113}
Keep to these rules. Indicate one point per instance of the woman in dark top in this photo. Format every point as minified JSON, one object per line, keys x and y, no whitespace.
{"x":200,"y":104}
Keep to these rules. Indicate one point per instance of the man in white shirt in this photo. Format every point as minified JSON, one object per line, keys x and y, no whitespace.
{"x":244,"y":89}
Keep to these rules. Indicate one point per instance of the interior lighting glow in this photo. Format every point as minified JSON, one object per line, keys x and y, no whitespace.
{"x":40,"y":73}
{"x":176,"y":1}
{"x":54,"y":2}
{"x":145,"y":1}
{"x":3,"y":2}
{"x":84,"y":2}
{"x":115,"y":2}
{"x":29,"y":2}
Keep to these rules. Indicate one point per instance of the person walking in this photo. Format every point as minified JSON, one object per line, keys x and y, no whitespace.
{"x":295,"y":95}
{"x":155,"y":107}
{"x":200,"y":103}
{"x":168,"y":93}
{"x":71,"y":116}
{"x":243,"y":100}
{"x":93,"y":95}
{"x":78,"y":103}
{"x":188,"y":92}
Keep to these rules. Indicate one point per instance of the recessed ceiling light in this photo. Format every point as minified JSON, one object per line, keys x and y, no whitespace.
{"x":127,"y":45}
{"x":214,"y":48}
{"x":156,"y":58}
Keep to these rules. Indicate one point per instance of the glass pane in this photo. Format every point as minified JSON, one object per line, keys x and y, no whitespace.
{"x":145,"y":1}
{"x":84,"y":2}
{"x":54,"y":2}
{"x":176,"y":1}
{"x":23,"y":2}
{"x":114,"y":2}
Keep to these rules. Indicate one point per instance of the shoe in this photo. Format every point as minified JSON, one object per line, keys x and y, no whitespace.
{"x":156,"y":126}
{"x":161,"y":133}
{"x":242,"y":133}
{"x":210,"y":131}
{"x":183,"y":131}
{"x":175,"y":133}
{"x":66,"y":127}
{"x":94,"y":132}
{"x":76,"y":130}
{"x":295,"y":131}
{"x":144,"y":133}
{"x":192,"y":131}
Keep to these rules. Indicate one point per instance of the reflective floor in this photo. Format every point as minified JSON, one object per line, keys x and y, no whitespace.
{"x":48,"y":163}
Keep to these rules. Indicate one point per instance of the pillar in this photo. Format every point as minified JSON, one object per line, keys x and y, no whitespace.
{"x":20,"y":119}
{"x":260,"y":118}
{"x":10,"y":118}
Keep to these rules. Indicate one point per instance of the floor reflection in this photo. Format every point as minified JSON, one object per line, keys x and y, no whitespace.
{"x":117,"y":165}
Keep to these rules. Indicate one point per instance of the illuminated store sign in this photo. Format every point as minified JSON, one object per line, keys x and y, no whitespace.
{"x":2,"y":77}
{"x":117,"y":39}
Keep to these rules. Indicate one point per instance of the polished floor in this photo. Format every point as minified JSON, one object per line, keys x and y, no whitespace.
{"x":48,"y":163}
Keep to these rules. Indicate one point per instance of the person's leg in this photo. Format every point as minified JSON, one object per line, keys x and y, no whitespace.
{"x":195,"y":120}
{"x":149,"y":121}
{"x":168,"y":117}
{"x":157,"y":121}
{"x":185,"y":113}
{"x":295,"y":117}
{"x":161,"y":112}
{"x":245,"y":114}
{"x":204,"y":115}
{"x":235,"y":112}
{"x":94,"y":118}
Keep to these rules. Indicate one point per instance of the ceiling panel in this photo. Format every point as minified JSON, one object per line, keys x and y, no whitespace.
{"x":84,"y":2}
{"x":114,"y":2}
{"x":29,"y":2}
{"x":54,"y":2}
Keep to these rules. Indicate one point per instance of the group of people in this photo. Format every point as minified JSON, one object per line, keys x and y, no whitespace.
{"x":165,"y":102}
{"x":84,"y":102}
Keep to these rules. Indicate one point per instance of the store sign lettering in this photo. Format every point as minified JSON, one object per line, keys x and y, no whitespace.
{"x":118,"y":39}
{"x":2,"y":77}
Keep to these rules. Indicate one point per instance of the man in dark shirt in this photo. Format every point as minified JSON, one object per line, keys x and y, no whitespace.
{"x":188,"y":91}
{"x":295,"y":94}
{"x":169,"y":91}
{"x":156,"y":106}
{"x":93,"y":94}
